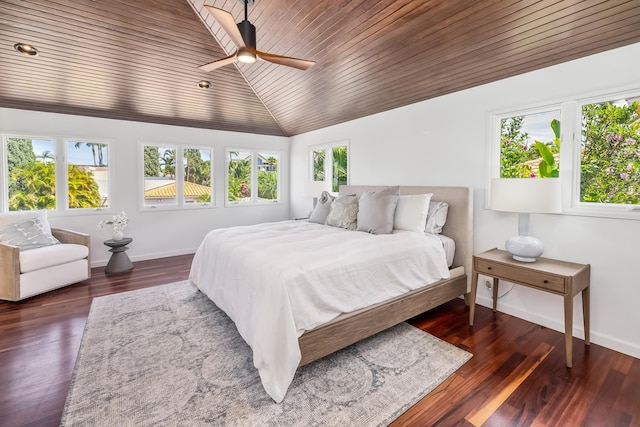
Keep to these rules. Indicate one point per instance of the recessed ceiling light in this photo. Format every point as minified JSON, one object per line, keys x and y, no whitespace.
{"x":26,"y":49}
{"x":203,"y":84}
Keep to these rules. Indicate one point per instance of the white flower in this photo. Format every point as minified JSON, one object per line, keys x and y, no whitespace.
{"x":118,"y":223}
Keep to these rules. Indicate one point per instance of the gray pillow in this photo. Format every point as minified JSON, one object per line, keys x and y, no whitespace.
{"x":437,"y":217}
{"x":377,"y":210}
{"x":322,"y":209}
{"x":344,"y":212}
{"x":29,"y":234}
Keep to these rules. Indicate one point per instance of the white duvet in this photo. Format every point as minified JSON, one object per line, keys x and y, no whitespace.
{"x":278,"y":280}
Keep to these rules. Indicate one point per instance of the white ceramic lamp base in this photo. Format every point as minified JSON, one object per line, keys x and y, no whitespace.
{"x":523,"y":247}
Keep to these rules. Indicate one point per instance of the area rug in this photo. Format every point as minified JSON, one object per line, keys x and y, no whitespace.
{"x":167,"y":356}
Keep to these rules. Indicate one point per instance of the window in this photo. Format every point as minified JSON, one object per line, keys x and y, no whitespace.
{"x":87,"y":174}
{"x":600,"y":145}
{"x":267,"y":164}
{"x":530,"y":145}
{"x":252,"y":177}
{"x":159,"y":176}
{"x":39,"y":177}
{"x":197,"y":176}
{"x":177,"y":176}
{"x":610,"y":152}
{"x":31,"y":168}
{"x":331,"y":161}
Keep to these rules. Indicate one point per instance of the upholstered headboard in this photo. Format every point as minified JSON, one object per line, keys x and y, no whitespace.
{"x":459,"y":225}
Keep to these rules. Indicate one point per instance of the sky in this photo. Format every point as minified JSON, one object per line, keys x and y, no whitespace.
{"x":77,"y":156}
{"x":538,"y":126}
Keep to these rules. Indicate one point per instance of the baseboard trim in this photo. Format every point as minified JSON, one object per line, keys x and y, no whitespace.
{"x":145,"y":257}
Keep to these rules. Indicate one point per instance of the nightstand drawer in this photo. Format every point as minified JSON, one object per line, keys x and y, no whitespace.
{"x":521,"y":275}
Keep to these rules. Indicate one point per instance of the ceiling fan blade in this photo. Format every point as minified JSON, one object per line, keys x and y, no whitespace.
{"x":219,"y":63}
{"x":228,"y":24}
{"x":300,"y":64}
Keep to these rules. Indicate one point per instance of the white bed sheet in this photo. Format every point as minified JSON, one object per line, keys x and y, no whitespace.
{"x":277,"y":280}
{"x":449,"y":246}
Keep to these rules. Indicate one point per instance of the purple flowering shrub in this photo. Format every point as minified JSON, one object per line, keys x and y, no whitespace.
{"x":610,"y":157}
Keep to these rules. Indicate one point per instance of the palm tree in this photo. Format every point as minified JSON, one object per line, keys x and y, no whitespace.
{"x":168,"y":163}
{"x":339,"y":167}
{"x":47,"y":156}
{"x":318,"y":165}
{"x":96,"y":149}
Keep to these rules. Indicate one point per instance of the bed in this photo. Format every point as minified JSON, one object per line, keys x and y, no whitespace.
{"x":241,"y":270}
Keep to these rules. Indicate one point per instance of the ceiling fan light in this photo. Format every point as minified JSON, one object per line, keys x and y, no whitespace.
{"x":246,"y":56}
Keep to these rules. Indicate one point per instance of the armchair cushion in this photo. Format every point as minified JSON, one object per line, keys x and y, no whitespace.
{"x":50,"y":256}
{"x":28,"y":234}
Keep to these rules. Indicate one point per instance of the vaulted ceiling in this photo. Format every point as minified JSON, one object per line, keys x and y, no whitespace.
{"x":138,"y":59}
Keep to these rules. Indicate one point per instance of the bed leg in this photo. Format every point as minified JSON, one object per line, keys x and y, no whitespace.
{"x":467,"y":298}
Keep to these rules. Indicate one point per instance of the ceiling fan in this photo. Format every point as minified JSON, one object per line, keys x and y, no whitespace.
{"x":243,"y":35}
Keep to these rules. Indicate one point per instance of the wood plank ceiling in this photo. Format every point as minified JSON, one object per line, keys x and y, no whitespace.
{"x":138,"y":60}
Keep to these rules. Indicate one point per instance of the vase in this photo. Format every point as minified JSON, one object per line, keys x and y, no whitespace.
{"x":117,"y":235}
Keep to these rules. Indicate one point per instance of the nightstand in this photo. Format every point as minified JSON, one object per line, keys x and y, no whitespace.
{"x":119,"y":261}
{"x":548,"y":275}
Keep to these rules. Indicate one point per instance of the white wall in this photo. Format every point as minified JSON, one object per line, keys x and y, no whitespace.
{"x":165,"y":232}
{"x":443,"y":142}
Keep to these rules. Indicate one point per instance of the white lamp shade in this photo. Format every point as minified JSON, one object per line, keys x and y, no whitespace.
{"x":528,"y":195}
{"x":313,"y":189}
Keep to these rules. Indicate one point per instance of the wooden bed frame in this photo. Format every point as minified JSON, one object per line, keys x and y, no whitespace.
{"x":353,"y":327}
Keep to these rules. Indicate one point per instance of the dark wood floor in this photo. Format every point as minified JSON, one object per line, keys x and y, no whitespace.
{"x":516,"y":377}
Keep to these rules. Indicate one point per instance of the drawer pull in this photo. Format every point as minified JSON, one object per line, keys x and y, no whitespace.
{"x":546,"y":281}
{"x":488,"y":268}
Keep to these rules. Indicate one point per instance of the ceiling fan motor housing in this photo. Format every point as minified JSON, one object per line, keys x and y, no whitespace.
{"x":248,"y":31}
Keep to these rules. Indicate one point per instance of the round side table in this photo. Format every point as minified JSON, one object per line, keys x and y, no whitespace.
{"x":119,"y":261}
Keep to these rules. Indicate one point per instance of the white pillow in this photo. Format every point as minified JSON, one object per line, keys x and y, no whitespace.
{"x":411,"y":212}
{"x":29,"y":234}
{"x":20,"y":216}
{"x":376,"y":210}
{"x":322,"y":209}
{"x":437,"y":217}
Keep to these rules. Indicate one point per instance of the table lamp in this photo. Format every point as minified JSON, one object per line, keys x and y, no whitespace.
{"x":525,"y":196}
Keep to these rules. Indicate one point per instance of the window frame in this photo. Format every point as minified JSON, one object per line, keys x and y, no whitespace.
{"x":571,"y":201}
{"x":570,"y":150}
{"x":62,"y":177}
{"x":198,"y":205}
{"x":328,"y":162}
{"x":65,"y":170}
{"x":254,"y":200}
{"x":179,"y":178}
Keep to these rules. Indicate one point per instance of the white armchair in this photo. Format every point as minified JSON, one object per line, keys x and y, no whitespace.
{"x":31,"y":272}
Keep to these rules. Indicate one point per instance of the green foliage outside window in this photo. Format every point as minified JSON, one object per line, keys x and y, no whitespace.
{"x":318,"y":164}
{"x":610,"y":158}
{"x":151,"y":161}
{"x":339,"y":167}
{"x":196,"y":169}
{"x":518,"y":157}
{"x":609,"y":152}
{"x":268,"y":178}
{"x":268,"y":185}
{"x":168,"y":163}
{"x":239,"y":179}
{"x":35,"y":186}
{"x":83,"y":189}
{"x":33,"y":180}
